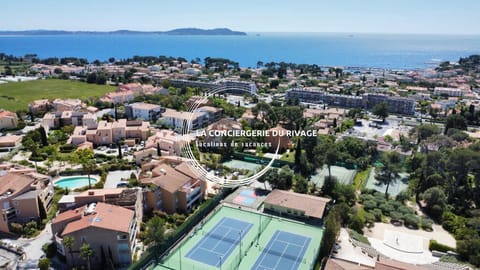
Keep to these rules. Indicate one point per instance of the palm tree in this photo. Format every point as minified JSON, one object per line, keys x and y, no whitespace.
{"x":389,"y":172}
{"x":87,"y":252}
{"x":86,"y":158}
{"x":68,"y":242}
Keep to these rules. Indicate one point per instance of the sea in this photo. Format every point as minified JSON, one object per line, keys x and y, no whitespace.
{"x":386,"y":51}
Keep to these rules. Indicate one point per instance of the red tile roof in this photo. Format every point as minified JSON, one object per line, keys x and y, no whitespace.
{"x":312,"y":206}
{"x":105,"y":216}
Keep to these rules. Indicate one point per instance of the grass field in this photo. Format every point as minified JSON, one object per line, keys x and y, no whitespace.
{"x":361,"y":178}
{"x":16,"y":96}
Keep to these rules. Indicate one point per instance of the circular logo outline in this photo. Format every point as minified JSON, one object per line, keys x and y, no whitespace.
{"x":195,"y":165}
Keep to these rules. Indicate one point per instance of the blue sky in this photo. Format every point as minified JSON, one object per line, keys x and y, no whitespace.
{"x":369,"y":16}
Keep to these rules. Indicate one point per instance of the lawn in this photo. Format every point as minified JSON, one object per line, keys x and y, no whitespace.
{"x":361,"y":178}
{"x":290,"y":157}
{"x":17,"y":95}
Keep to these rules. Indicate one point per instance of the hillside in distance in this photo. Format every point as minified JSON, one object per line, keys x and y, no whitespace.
{"x":177,"y":32}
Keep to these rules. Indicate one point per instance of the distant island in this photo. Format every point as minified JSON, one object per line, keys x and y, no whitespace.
{"x":174,"y":32}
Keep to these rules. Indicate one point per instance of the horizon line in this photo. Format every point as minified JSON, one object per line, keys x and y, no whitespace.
{"x":250,"y":31}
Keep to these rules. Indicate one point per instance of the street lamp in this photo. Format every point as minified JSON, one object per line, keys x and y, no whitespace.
{"x":220,"y":261}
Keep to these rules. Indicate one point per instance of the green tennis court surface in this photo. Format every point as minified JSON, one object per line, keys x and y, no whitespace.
{"x":343,"y":175}
{"x":233,"y":238}
{"x":400,"y":184}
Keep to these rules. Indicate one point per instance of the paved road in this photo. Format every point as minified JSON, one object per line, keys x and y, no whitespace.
{"x":32,"y":247}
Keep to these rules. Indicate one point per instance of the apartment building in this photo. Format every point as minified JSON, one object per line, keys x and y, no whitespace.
{"x":172,"y":188}
{"x":119,"y":97}
{"x":8,"y":120}
{"x":178,"y":120}
{"x":110,"y":132}
{"x":395,"y":104}
{"x":449,"y":92}
{"x":169,"y":142}
{"x":66,"y":118}
{"x":143,"y":111}
{"x":24,"y":196}
{"x":108,"y":229}
{"x":212,"y":113}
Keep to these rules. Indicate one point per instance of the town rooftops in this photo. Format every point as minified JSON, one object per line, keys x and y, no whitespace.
{"x":312,"y":206}
{"x":100,"y":215}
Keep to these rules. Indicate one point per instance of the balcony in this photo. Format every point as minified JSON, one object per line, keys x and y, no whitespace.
{"x":194,"y":194}
{"x":10,"y":213}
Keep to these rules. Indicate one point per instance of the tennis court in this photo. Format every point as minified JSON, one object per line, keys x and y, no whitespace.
{"x":343,"y":175}
{"x":396,"y":187}
{"x":219,"y":242}
{"x":233,"y":238}
{"x":247,"y":197}
{"x":285,"y":250}
{"x":242,"y":165}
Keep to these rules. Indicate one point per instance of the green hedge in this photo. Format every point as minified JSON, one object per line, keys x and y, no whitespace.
{"x":434,"y":245}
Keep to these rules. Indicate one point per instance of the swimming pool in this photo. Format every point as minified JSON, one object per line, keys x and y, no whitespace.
{"x":74,"y":182}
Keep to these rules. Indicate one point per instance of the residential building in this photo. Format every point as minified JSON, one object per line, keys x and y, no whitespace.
{"x":366,"y":101}
{"x":295,"y":204}
{"x":143,"y":111}
{"x":212,"y":113}
{"x":8,"y":120}
{"x":198,"y":100}
{"x":111,"y":132}
{"x":119,"y":97}
{"x":66,"y":118}
{"x":395,"y":104}
{"x":221,"y":125}
{"x":61,"y":105}
{"x":231,"y":86}
{"x":449,"y":92}
{"x":178,"y":120}
{"x":172,"y":188}
{"x":169,"y":142}
{"x":39,"y":106}
{"x":11,"y":141}
{"x":24,"y":196}
{"x":277,"y":137}
{"x":108,"y":229}
{"x":130,"y":198}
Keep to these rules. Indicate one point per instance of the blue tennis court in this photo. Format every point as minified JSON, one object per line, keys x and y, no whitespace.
{"x":216,"y":245}
{"x":284,"y":251}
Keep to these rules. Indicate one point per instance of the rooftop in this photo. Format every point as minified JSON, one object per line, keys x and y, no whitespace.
{"x":104,"y":216}
{"x":312,"y":206}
